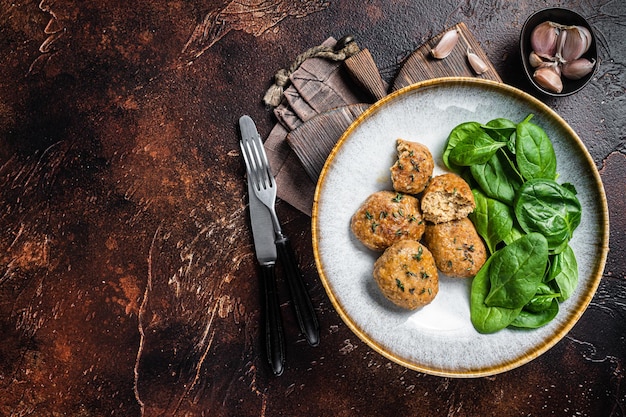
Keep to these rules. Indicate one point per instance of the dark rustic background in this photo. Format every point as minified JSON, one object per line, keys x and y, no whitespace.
{"x":127,"y":277}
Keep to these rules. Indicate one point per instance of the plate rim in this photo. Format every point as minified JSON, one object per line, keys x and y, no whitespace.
{"x":598,"y":268}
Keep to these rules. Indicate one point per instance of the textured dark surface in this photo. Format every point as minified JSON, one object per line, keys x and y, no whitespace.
{"x":127,"y":276}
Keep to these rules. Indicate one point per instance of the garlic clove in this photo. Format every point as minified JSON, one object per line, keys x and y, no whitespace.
{"x":477,"y":64}
{"x":586,"y":33}
{"x":577,"y":69}
{"x":543,"y":39}
{"x":445,"y":45}
{"x":575,"y":44}
{"x":548,"y":78}
{"x":534,"y":59}
{"x":560,"y":43}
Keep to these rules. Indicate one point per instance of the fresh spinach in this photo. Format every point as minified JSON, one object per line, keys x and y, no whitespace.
{"x":525,"y":218}
{"x":516,"y":271}
{"x":544,"y":206}
{"x":534,"y":151}
{"x":563,"y":272}
{"x":469,"y":144}
{"x":457,"y":135}
{"x":500,"y":129}
{"x":474,"y":149}
{"x":515,"y":234}
{"x":497,"y":178}
{"x":542,"y":300}
{"x":493,"y":219}
{"x":488,"y":319}
{"x":533,"y":320}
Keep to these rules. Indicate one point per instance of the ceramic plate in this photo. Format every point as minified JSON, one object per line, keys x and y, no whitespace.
{"x":439,"y":339}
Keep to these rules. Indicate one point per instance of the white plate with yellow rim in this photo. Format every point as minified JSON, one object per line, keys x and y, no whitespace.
{"x":439,"y":338}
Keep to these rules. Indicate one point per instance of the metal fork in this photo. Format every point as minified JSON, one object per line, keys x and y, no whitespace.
{"x":264,"y":186}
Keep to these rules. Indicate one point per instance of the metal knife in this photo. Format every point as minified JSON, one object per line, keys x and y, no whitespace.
{"x":305,"y":313}
{"x":263,"y":235}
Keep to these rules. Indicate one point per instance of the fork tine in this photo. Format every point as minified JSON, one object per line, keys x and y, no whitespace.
{"x":259,"y":169}
{"x":247,"y":157}
{"x":265,"y":177}
{"x":264,"y":169}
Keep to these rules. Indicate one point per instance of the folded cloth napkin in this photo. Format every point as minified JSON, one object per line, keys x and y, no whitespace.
{"x":317,"y":86}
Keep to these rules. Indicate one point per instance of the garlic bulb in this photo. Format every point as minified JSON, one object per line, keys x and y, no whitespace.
{"x":558,"y":50}
{"x":445,"y":45}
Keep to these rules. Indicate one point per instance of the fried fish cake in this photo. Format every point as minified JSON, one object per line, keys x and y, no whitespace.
{"x":407,"y":275}
{"x":456,"y":246}
{"x":447,"y":197}
{"x":412,"y":171}
{"x":387,"y":217}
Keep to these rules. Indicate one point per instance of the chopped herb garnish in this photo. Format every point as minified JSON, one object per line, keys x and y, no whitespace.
{"x":397,"y":198}
{"x":368,"y":215}
{"x":400,"y":284}
{"x":425,"y":275}
{"x":418,"y":256}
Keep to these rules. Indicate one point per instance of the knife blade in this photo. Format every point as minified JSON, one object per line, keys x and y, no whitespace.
{"x":265,"y":249}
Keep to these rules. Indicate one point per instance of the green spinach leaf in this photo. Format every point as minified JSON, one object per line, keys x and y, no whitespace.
{"x":516,"y":233}
{"x":544,"y":206}
{"x":488,"y":319}
{"x":516,"y":271}
{"x":500,"y":129}
{"x":493,"y":219}
{"x":564,"y":272}
{"x":475,"y":149}
{"x":542,"y":299}
{"x":532,"y":320}
{"x":534,"y":152}
{"x":497,"y":178}
{"x":457,"y":135}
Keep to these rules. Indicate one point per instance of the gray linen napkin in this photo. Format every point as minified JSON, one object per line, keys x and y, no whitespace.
{"x":317,"y":86}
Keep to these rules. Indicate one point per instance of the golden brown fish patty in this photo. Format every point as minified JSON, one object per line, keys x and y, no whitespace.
{"x":412,"y":171}
{"x":447,"y":197}
{"x":407,"y":275}
{"x":456,"y":246}
{"x":387,"y":217}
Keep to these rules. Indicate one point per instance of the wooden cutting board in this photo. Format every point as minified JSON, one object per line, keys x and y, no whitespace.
{"x":420,"y":65}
